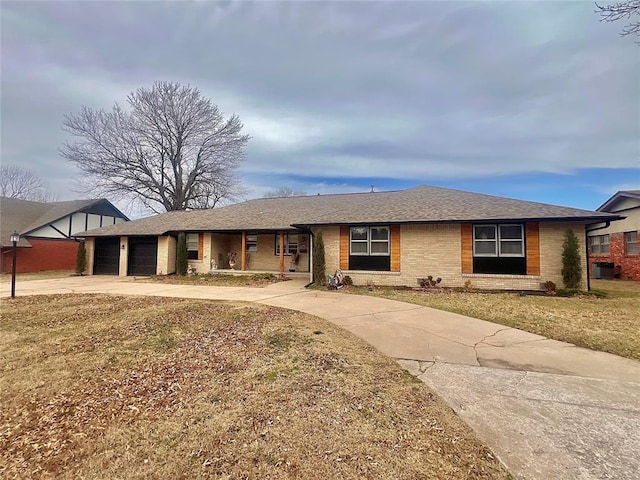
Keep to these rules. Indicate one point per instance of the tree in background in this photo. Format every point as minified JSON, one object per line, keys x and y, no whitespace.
{"x":81,"y":259}
{"x":23,"y":183}
{"x":173,"y":150}
{"x":182,"y":259}
{"x":319,"y":267}
{"x":284,"y":192}
{"x":571,"y":264}
{"x":618,"y":11}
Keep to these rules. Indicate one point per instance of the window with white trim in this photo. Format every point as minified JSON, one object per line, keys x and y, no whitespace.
{"x":192,"y":246}
{"x":630,"y":243}
{"x":503,"y":240}
{"x":369,"y":241}
{"x":599,"y":245}
{"x":290,"y":244}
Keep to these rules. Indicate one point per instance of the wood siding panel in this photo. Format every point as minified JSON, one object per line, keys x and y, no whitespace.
{"x":533,"y":248}
{"x":395,"y":248}
{"x":200,"y":245}
{"x":466,"y":231}
{"x":344,"y":248}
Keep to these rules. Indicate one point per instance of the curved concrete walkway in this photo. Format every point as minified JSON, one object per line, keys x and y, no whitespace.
{"x":548,"y":409}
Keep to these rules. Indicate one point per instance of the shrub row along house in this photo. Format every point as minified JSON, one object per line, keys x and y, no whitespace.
{"x":48,"y":230}
{"x":613,"y":248}
{"x":388,"y":238}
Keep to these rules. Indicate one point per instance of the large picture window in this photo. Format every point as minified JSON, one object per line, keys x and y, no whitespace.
{"x":369,"y":248}
{"x":498,"y":240}
{"x":369,"y":241}
{"x":499,"y":249}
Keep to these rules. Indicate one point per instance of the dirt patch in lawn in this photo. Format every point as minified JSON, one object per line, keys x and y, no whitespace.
{"x":109,"y":387}
{"x":608,"y":323}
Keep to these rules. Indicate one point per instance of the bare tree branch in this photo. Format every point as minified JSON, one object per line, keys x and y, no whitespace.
{"x":173,"y":150}
{"x":19,"y":182}
{"x":284,"y":192}
{"x":621,"y":10}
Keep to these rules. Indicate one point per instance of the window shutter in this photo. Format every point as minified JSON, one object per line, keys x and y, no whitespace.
{"x":344,"y":248}
{"x":395,"y":248}
{"x":533,"y":248}
{"x":466,"y":237}
{"x":200,"y":245}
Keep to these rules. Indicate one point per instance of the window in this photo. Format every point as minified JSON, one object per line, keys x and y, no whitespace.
{"x":290,"y":244}
{"x":252,"y":243}
{"x":369,"y":241}
{"x":192,"y":246}
{"x":498,"y":240}
{"x":631,"y":243}
{"x":599,"y":245}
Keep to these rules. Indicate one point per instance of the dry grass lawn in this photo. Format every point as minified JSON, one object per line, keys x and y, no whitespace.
{"x":609,"y":324}
{"x":25,"y":277}
{"x":105,"y":387}
{"x":218,"y":279}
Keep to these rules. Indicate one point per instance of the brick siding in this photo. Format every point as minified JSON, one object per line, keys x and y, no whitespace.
{"x":44,"y":255}
{"x":626,"y":266}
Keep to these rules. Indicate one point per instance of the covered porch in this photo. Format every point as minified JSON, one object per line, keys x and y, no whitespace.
{"x":249,"y":252}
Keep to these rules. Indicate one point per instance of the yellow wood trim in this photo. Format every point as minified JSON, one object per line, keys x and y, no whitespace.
{"x":466,"y":239}
{"x":344,"y":247}
{"x":395,"y":248}
{"x":533,"y":248}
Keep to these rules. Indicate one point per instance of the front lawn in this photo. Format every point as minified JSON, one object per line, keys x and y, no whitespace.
{"x":609,"y":323}
{"x":105,"y":387}
{"x":218,"y":279}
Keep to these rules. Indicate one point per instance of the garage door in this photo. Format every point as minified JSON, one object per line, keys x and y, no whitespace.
{"x":106,"y":260}
{"x":143,"y":255}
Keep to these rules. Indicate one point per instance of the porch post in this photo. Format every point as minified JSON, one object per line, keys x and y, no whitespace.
{"x":244,"y":251}
{"x":281,"y":252}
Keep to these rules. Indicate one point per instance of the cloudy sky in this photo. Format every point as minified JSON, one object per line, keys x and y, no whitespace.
{"x":532,"y":100}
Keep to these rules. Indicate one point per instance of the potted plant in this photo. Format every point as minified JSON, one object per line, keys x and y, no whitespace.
{"x":232,"y":257}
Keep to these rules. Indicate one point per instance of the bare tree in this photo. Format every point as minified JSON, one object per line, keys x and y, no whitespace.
{"x":284,"y":192}
{"x":23,"y":183}
{"x":173,"y":150}
{"x":621,"y":10}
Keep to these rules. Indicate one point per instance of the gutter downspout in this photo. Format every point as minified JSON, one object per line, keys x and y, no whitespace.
{"x":607,"y":224}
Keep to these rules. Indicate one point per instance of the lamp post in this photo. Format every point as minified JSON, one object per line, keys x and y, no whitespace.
{"x":15,"y":238}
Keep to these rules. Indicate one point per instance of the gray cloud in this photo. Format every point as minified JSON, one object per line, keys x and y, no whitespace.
{"x":417,"y":90}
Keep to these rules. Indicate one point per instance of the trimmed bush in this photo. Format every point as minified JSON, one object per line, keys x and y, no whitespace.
{"x":182,"y":256}
{"x":319,"y":267}
{"x":571,"y":265}
{"x":81,"y":259}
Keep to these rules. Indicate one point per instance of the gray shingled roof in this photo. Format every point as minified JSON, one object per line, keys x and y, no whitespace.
{"x":415,"y":205}
{"x":26,"y":216}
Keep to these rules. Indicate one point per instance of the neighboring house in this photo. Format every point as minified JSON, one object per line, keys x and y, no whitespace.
{"x":613,"y":248}
{"x":47,"y":231}
{"x":388,"y":238}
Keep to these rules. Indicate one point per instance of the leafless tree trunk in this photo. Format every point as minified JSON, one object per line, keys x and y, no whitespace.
{"x":621,"y":10}
{"x":23,"y":183}
{"x":173,"y":151}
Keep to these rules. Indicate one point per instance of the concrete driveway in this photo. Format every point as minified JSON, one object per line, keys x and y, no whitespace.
{"x":548,"y":409}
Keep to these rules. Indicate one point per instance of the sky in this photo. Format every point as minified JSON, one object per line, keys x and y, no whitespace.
{"x":532,"y":100}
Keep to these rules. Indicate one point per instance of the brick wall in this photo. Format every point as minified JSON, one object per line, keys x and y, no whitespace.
{"x":627,"y":266}
{"x":166,"y":255}
{"x":436,"y":250}
{"x":44,"y":255}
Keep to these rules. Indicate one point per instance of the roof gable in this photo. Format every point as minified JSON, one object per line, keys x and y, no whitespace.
{"x":619,"y":197}
{"x":26,"y":216}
